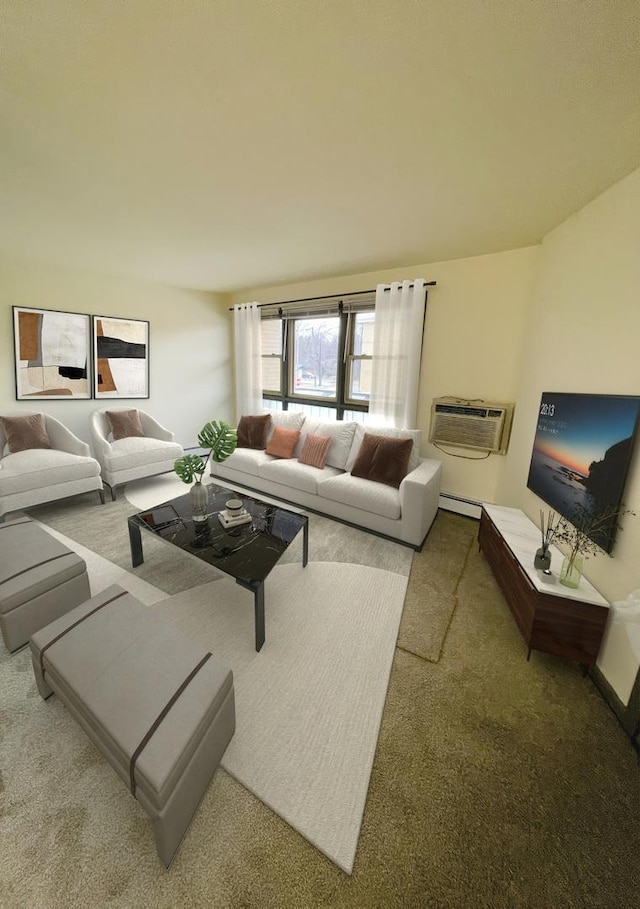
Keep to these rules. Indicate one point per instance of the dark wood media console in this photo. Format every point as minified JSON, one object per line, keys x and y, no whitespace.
{"x":551,"y":618}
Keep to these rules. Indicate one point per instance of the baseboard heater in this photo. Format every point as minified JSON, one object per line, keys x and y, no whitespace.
{"x":468,"y":507}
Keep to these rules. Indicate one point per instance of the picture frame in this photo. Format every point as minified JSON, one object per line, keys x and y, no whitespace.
{"x":120,"y":357}
{"x":52,"y":354}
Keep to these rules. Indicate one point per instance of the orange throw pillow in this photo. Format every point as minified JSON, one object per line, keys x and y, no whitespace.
{"x":315,"y":450}
{"x":283,"y":441}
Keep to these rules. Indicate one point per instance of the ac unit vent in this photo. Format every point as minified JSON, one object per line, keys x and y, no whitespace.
{"x":484,"y":427}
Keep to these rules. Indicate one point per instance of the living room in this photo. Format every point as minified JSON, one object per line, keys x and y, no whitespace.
{"x":506,"y":321}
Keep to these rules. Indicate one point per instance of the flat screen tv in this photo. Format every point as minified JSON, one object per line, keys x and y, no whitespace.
{"x":582,"y":452}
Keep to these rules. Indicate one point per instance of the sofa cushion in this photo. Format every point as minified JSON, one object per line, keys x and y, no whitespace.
{"x":247,"y":460}
{"x":315,"y":449}
{"x":355,"y":492}
{"x":282,"y":443}
{"x":341,"y":433}
{"x":125,"y":424}
{"x":390,"y":432}
{"x":25,"y":431}
{"x":37,"y":468}
{"x":252,"y":431}
{"x":382,"y":459}
{"x":292,"y":473}
{"x":135,"y":452}
{"x":288,"y":419}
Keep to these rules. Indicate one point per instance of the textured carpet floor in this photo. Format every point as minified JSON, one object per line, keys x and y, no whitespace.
{"x":497,"y":782}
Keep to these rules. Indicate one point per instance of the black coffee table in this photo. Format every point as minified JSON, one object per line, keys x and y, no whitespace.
{"x":246,"y":553}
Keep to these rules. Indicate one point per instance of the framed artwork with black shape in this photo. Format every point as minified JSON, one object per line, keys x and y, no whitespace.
{"x":52,"y":354}
{"x":120,"y":357}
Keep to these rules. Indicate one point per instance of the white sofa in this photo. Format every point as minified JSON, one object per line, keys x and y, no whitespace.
{"x":403,"y":514}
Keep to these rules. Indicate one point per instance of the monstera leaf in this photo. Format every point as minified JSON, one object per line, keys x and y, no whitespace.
{"x":219,"y":438}
{"x":188,"y":467}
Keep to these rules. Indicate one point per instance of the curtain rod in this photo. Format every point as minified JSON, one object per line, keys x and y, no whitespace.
{"x":354,"y":293}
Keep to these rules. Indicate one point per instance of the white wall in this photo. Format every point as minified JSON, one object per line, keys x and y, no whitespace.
{"x":474,"y":332}
{"x":583,"y":335}
{"x":190,"y":360}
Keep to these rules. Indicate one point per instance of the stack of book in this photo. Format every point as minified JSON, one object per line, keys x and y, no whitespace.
{"x":235,"y":519}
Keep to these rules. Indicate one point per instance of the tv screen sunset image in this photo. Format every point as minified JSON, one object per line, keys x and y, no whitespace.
{"x":581,"y":451}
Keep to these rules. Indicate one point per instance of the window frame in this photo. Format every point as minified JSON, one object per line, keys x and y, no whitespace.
{"x":345,"y":356}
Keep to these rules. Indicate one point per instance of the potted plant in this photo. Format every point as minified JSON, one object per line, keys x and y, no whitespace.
{"x":221,"y":440}
{"x":580,"y":534}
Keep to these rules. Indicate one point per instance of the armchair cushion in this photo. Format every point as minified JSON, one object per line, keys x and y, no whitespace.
{"x":25,"y":431}
{"x":125,"y":454}
{"x":39,"y":468}
{"x":125,"y":424}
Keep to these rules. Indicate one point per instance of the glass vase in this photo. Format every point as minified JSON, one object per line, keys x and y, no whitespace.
{"x":542,"y":559}
{"x":571,"y":571}
{"x":199,"y":502}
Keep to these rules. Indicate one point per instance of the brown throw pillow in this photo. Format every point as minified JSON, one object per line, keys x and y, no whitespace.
{"x":383,"y":459}
{"x":252,"y":431}
{"x":125,"y":424}
{"x":283,"y":441}
{"x":315,"y":450}
{"x":25,"y":432}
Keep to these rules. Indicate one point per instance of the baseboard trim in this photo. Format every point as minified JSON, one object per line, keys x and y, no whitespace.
{"x":468,"y":507}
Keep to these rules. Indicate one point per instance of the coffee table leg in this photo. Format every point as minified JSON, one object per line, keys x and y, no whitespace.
{"x":258,"y":594}
{"x":135,"y":541}
{"x":305,"y":545}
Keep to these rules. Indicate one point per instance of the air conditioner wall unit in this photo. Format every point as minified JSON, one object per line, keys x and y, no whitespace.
{"x":471,"y":424}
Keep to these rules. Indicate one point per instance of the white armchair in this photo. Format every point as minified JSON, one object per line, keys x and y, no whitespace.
{"x":38,"y":475}
{"x":135,"y":457}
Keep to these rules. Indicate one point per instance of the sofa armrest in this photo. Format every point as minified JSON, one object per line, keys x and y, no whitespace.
{"x":419,"y":496}
{"x":155,"y":430}
{"x":63,"y":439}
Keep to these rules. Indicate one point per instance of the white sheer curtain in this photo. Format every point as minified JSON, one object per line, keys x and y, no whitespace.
{"x":248,"y":359}
{"x":397,"y":347}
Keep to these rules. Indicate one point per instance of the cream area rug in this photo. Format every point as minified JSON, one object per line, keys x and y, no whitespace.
{"x":309,"y":705}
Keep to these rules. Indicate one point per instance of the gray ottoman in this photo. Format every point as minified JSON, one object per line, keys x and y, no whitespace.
{"x":159,"y":707}
{"x":40,"y":580}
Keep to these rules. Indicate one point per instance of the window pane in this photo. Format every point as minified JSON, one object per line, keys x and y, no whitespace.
{"x":271,"y":374}
{"x":360,"y":386}
{"x":363,"y":333}
{"x":271,"y":337}
{"x":315,"y":353}
{"x":314,"y":411}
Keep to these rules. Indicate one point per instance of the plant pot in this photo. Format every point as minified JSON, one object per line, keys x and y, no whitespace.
{"x":199,"y":502}
{"x":542,"y":559}
{"x":571,"y":571}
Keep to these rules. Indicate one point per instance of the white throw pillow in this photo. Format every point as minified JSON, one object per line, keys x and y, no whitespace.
{"x":287,"y":419}
{"x":341,"y":433}
{"x":389,"y":432}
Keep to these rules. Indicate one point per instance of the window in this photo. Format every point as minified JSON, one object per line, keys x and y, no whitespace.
{"x":316,"y":359}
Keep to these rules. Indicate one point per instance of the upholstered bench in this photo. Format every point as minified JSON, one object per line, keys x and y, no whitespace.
{"x":40,"y":580}
{"x":158,"y":706}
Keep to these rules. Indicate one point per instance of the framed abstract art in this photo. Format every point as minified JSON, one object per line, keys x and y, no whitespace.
{"x":52,"y":353}
{"x":120,"y":358}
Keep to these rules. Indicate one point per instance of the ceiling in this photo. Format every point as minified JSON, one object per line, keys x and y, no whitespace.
{"x":224,"y":144}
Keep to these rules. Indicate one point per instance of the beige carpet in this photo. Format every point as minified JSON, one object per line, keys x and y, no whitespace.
{"x":309,"y":705}
{"x":497,"y":783}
